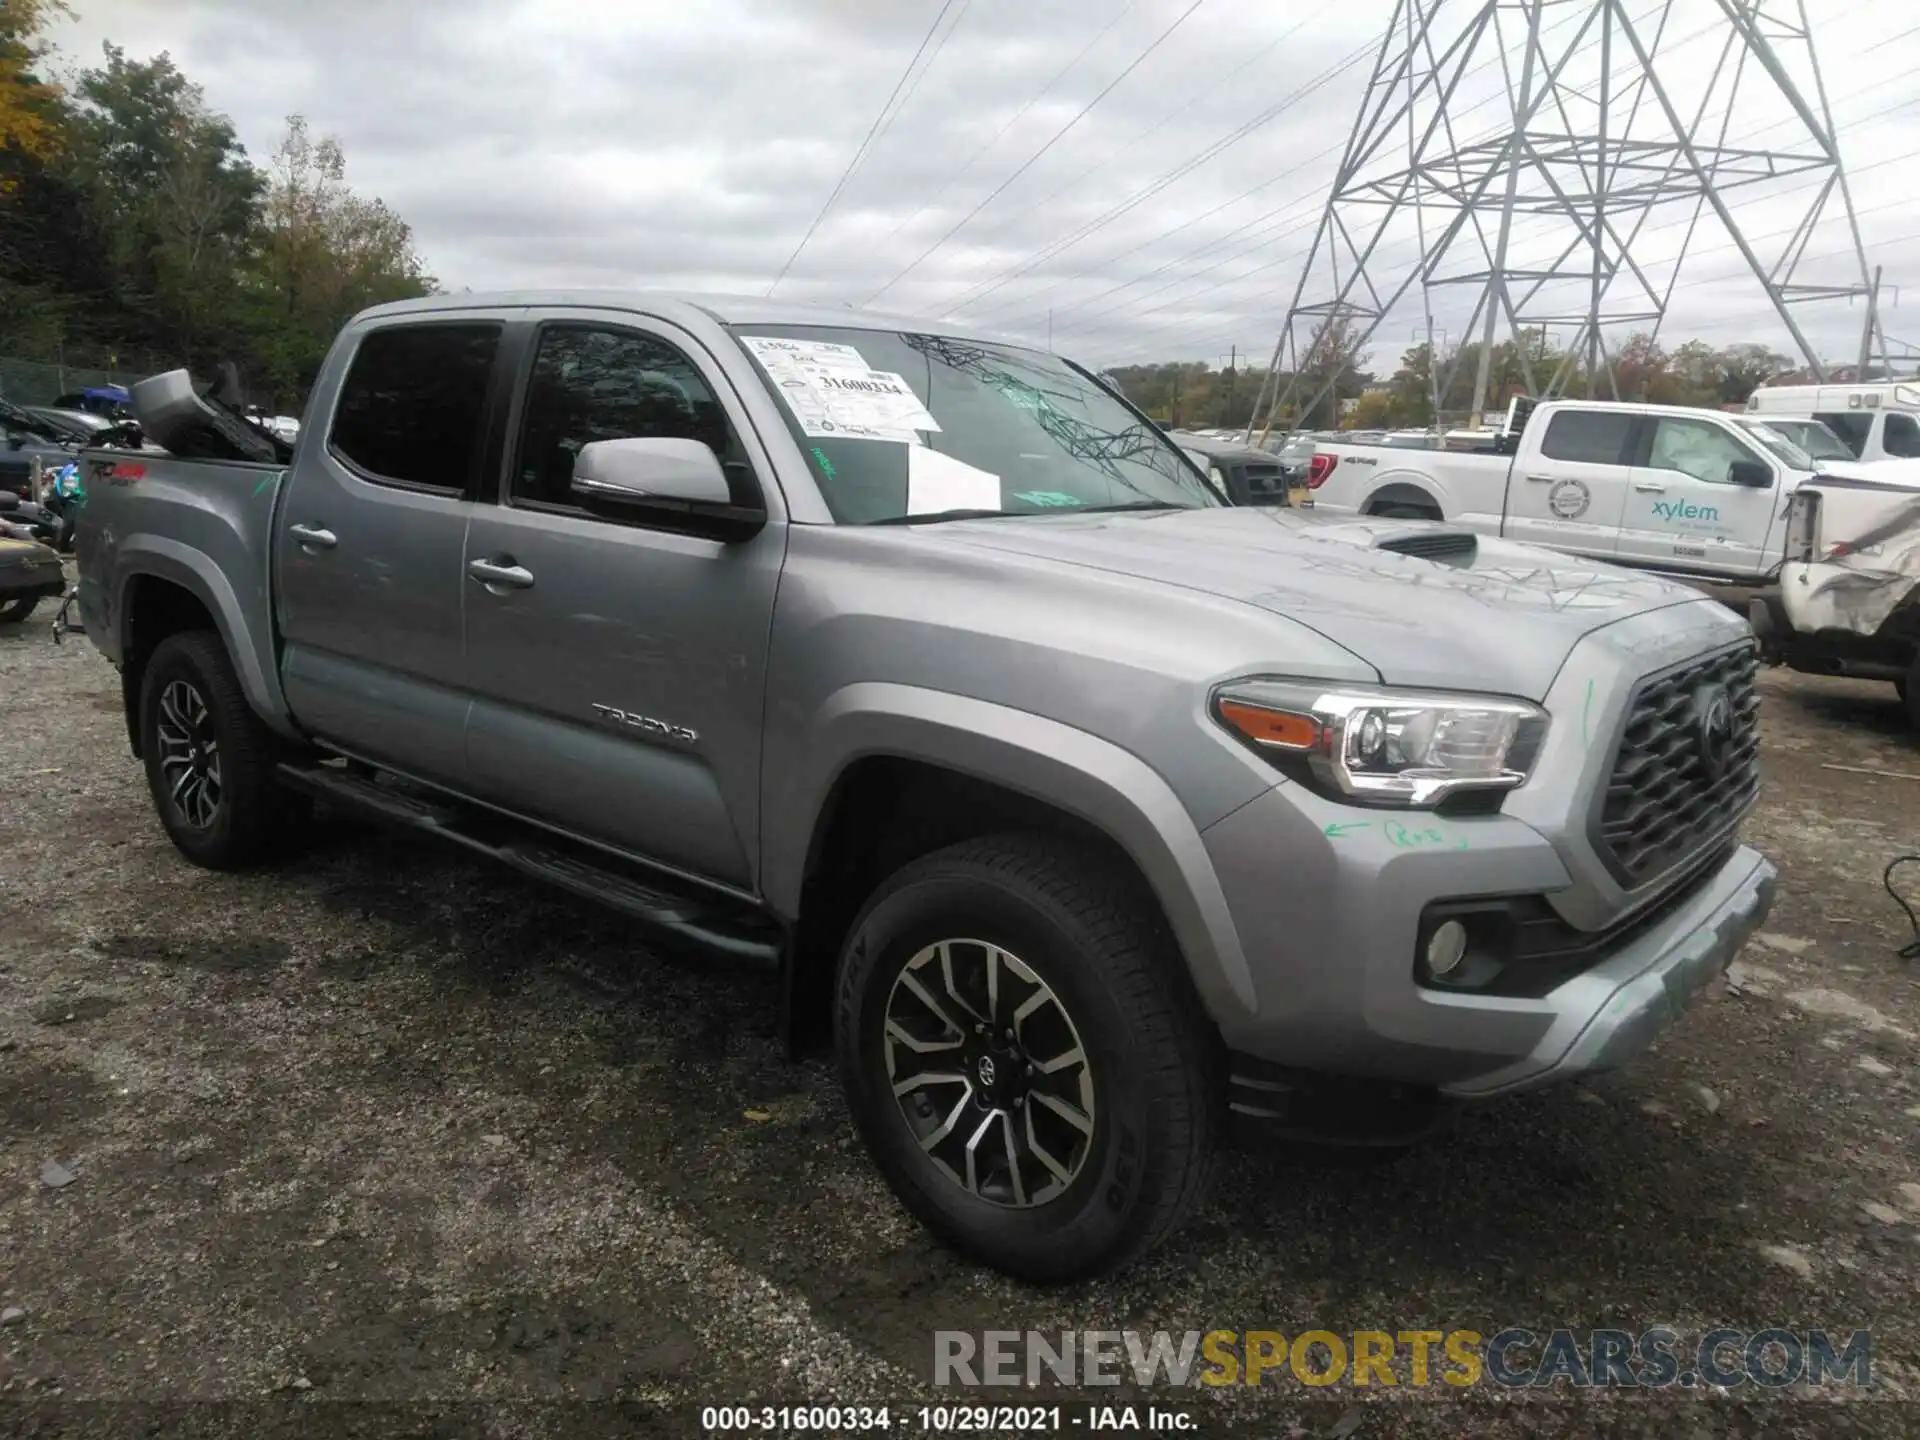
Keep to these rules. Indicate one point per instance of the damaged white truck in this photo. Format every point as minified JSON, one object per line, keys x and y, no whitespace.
{"x":1848,"y":601}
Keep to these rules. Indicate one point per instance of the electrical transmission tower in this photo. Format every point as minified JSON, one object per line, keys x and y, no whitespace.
{"x":1614,"y":140}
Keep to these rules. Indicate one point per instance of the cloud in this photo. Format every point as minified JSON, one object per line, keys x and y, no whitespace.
{"x":690,"y":145}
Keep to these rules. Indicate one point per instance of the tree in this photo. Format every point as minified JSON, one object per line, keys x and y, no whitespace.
{"x":30,"y":117}
{"x":174,"y":198}
{"x":323,"y":253}
{"x":1744,"y":368}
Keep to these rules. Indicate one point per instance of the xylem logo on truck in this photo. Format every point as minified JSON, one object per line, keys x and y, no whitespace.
{"x":1684,"y":510}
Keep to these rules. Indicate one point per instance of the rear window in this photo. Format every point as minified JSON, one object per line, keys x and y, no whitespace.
{"x":409,"y":410}
{"x":1592,"y":437}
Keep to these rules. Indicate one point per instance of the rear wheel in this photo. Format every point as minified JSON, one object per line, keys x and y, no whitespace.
{"x":1024,"y":1059}
{"x":12,"y":612}
{"x":210,"y":761}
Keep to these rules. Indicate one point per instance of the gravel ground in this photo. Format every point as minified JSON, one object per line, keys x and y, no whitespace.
{"x":390,"y":1127}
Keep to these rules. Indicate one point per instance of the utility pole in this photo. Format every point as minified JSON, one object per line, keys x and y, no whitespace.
{"x":1541,"y":225}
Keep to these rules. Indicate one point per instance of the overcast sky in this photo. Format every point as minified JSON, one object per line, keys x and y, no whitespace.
{"x":692,"y":144}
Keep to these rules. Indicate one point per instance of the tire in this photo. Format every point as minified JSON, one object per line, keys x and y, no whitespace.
{"x":220,"y":806}
{"x":1396,"y":510}
{"x":12,"y":612}
{"x":1910,"y":698}
{"x":1149,"y":1087}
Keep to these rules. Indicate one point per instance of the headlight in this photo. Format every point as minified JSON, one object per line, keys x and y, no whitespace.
{"x":1386,"y":747}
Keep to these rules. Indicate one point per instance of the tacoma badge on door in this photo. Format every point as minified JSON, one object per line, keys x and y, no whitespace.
{"x":646,"y":723}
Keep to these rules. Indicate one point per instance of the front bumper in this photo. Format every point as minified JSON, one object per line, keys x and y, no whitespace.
{"x":1331,"y":949}
{"x":1610,"y":1014}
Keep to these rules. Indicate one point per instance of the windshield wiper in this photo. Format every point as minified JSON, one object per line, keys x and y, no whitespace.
{"x":1127,"y":505}
{"x":935,"y":516}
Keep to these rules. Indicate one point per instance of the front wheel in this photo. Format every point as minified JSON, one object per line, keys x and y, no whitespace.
{"x":12,"y":612}
{"x":1024,"y":1058}
{"x":210,"y":760}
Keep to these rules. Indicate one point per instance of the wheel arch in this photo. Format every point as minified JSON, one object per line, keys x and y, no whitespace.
{"x":1404,"y":489}
{"x":884,"y":753}
{"x":166,"y":587}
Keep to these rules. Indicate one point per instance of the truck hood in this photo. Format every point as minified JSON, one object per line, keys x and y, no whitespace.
{"x":1490,"y":616}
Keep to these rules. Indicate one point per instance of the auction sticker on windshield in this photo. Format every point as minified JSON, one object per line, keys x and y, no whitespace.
{"x":832,"y":391}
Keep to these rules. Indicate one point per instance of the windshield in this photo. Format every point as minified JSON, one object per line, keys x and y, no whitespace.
{"x":1776,"y":439}
{"x":901,"y":425}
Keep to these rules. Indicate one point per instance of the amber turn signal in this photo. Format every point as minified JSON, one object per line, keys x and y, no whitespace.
{"x":1286,"y":729}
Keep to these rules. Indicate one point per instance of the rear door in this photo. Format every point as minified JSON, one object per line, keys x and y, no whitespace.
{"x":367,"y":561}
{"x":1683,"y":513}
{"x":618,"y":684}
{"x":1568,"y":489}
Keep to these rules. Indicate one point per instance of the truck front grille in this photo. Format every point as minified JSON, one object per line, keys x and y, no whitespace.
{"x":1680,"y":782}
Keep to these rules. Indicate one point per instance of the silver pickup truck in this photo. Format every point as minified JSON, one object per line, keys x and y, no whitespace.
{"x":1091,"y":812}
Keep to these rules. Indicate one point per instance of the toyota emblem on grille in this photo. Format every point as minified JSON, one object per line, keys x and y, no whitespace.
{"x":1714,"y":712}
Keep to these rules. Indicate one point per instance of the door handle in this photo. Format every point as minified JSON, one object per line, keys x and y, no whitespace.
{"x":1543,"y":479}
{"x":1649,"y":487}
{"x":313,"y":537}
{"x":507,"y":576}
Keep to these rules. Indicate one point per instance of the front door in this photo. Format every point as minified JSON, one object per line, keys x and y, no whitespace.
{"x":1683,"y":513}
{"x":618,"y":674}
{"x":367,"y":561}
{"x":1568,"y":491}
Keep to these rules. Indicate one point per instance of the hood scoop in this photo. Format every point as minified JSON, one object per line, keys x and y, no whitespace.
{"x":1445,"y":547}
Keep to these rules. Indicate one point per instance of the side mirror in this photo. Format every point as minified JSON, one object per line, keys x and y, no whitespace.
{"x":1754,"y":474}
{"x":649,"y":470}
{"x":8,"y":501}
{"x":666,"y":478}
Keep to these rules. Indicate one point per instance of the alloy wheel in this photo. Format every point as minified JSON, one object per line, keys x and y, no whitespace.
{"x":989,"y":1072}
{"x":189,"y":753}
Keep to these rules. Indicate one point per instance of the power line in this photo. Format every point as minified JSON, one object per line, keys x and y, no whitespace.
{"x":1282,"y":259}
{"x":1059,"y":247}
{"x":1140,"y":197}
{"x":1128,"y":145}
{"x":1222,"y":337}
{"x":1187,"y":168}
{"x":906,"y":99}
{"x":1034,"y":158}
{"x":860,"y":153}
{"x":1018,"y":116}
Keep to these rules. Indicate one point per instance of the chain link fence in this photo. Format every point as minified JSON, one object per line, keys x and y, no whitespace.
{"x":40,"y":382}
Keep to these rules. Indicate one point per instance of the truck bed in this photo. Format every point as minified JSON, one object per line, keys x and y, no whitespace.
{"x":208,"y":525}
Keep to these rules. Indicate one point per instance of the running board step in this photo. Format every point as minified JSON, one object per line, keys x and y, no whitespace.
{"x":711,"y":923}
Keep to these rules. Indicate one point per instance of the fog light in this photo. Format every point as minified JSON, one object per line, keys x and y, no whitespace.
{"x":1446,"y":947}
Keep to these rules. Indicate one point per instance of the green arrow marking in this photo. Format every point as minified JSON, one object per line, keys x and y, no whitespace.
{"x":1337,"y":829}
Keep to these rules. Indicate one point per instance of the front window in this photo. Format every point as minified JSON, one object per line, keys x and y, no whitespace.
{"x":1783,"y":441}
{"x":1852,"y":427}
{"x":1696,"y":448}
{"x":900,"y":425}
{"x":1814,"y":438}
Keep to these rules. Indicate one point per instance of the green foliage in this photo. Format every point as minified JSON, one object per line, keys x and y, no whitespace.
{"x":1693,"y":374}
{"x":135,"y":226}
